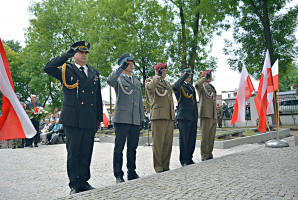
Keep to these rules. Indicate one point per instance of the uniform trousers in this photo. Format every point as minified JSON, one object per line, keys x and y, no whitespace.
{"x":132,"y":133}
{"x":17,"y":142}
{"x":208,"y":131}
{"x":187,"y":140}
{"x":219,"y":121}
{"x":36,"y":138}
{"x":162,"y":136}
{"x":79,"y":146}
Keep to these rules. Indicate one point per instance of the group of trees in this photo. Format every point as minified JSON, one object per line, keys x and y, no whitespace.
{"x":178,"y":32}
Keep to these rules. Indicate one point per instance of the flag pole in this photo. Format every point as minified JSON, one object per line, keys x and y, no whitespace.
{"x":278,"y":111}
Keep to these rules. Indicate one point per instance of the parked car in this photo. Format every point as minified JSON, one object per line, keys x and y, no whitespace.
{"x":288,"y":106}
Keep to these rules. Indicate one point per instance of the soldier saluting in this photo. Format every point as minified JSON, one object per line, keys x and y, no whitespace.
{"x":207,"y":114}
{"x":128,"y":115}
{"x":81,"y":111}
{"x":162,"y":117}
{"x":187,"y":116}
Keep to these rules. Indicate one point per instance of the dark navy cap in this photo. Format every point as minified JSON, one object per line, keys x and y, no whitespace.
{"x":83,"y":46}
{"x":126,"y":56}
{"x":18,"y":94}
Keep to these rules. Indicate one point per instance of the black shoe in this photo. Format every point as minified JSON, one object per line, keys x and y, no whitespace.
{"x":86,"y":187}
{"x":31,"y":146}
{"x":184,"y":164}
{"x":210,"y":158}
{"x":48,"y":143}
{"x":20,"y":147}
{"x":192,"y":162}
{"x":35,"y":145}
{"x":132,"y":176}
{"x":119,"y":180}
{"x":73,"y":191}
{"x":13,"y":147}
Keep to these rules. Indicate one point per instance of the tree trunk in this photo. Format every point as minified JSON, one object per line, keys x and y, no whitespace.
{"x":193,"y":52}
{"x":269,"y":46}
{"x":183,"y":55}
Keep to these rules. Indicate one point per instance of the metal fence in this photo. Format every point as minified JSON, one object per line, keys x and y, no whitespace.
{"x":288,"y":104}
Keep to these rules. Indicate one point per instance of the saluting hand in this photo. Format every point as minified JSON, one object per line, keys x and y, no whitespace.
{"x":71,"y":52}
{"x":185,"y":76}
{"x":208,"y":75}
{"x":159,"y":72}
{"x":124,"y":65}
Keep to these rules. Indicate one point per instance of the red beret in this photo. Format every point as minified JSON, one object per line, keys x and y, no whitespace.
{"x":204,"y":73}
{"x":162,"y":65}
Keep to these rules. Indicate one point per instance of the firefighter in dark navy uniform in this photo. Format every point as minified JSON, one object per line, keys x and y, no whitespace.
{"x":187,"y":116}
{"x":128,"y":116}
{"x":81,"y":111}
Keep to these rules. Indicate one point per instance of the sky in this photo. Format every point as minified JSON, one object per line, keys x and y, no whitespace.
{"x":15,"y":18}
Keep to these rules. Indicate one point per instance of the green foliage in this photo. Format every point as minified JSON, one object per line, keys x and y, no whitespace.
{"x":13,"y":45}
{"x":290,"y":79}
{"x":255,"y":30}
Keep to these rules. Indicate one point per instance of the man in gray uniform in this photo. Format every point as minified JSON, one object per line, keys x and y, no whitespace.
{"x":128,"y":115}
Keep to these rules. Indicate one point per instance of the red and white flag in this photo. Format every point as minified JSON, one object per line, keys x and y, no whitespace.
{"x":261,"y":99}
{"x":14,"y":122}
{"x":245,"y":90}
{"x":105,"y":116}
{"x":272,"y":88}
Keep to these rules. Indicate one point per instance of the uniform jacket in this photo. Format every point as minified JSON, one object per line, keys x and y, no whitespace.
{"x":187,"y":106}
{"x":207,"y":105}
{"x":161,"y":99}
{"x":219,"y":112}
{"x":82,"y":111}
{"x":129,"y":105}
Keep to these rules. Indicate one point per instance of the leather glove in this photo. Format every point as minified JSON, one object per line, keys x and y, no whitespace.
{"x":208,"y":75}
{"x":159,"y":72}
{"x":185,"y":76}
{"x":71,"y":52}
{"x":124,"y":65}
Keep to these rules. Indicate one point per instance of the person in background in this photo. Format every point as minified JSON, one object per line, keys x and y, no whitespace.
{"x":35,"y":123}
{"x":17,"y":143}
{"x":219,"y":116}
{"x":45,"y":131}
{"x":225,"y":110}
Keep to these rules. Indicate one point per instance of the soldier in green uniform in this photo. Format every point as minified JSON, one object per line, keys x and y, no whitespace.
{"x":162,"y":117}
{"x":207,"y":114}
{"x":219,"y":116}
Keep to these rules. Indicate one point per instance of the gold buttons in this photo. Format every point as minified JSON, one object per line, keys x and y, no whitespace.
{"x":92,"y":92}
{"x":91,"y":104}
{"x":83,"y":91}
{"x":94,"y":83}
{"x":82,"y":102}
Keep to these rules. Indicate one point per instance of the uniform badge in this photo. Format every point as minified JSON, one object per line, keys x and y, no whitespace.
{"x":71,"y":78}
{"x":126,"y":88}
{"x":95,"y":78}
{"x":86,"y":43}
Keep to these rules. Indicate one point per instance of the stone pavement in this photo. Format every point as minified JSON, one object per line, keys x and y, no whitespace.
{"x":244,"y":172}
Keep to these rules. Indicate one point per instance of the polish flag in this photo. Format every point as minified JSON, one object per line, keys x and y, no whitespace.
{"x":261,"y":100}
{"x":14,"y":122}
{"x":105,"y":115}
{"x":275,"y":85}
{"x":245,"y":90}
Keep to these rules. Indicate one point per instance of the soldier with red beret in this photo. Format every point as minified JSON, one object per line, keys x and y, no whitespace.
{"x":207,"y":114}
{"x":162,"y":117}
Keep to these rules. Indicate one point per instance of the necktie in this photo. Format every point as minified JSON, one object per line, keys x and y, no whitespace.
{"x":82,"y":70}
{"x":129,"y":78}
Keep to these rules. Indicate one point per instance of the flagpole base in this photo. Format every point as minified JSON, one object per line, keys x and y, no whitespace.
{"x":277,"y":144}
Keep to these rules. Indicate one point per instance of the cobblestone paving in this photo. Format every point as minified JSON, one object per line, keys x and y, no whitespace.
{"x":243,"y":172}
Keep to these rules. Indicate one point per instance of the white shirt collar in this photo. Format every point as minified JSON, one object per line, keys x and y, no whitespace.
{"x":85,"y":68}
